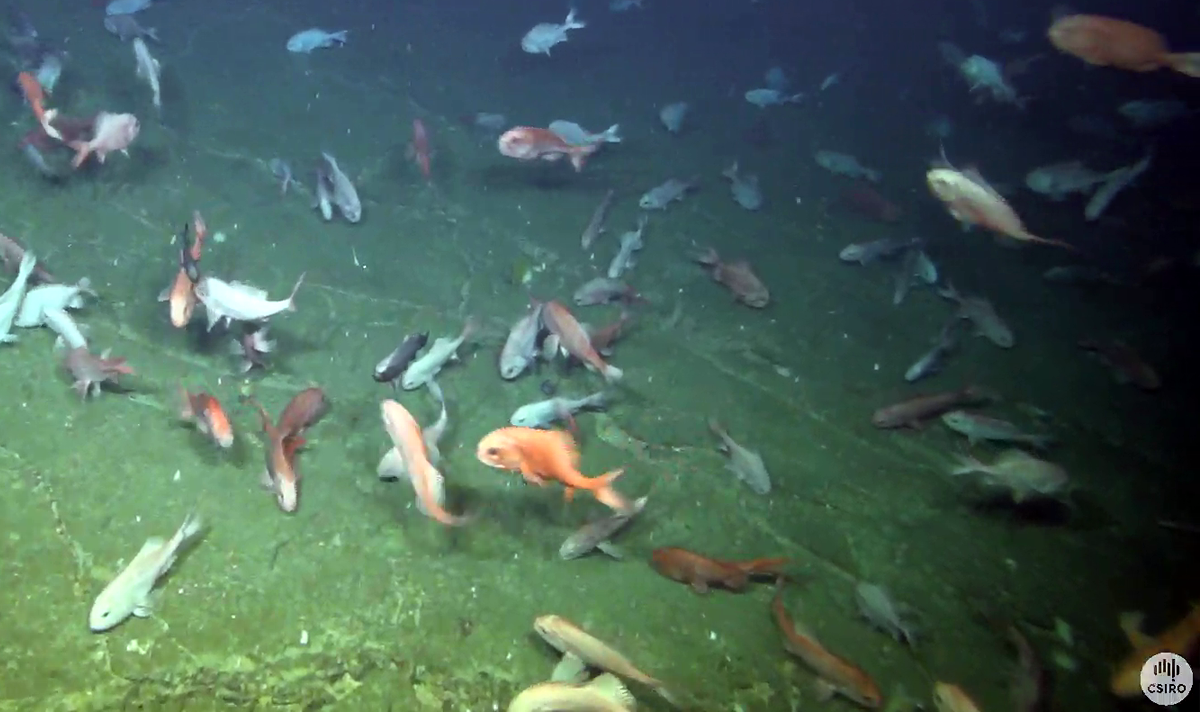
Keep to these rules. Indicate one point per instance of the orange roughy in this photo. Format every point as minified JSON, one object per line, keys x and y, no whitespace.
{"x":37,"y":102}
{"x":547,"y":455}
{"x":406,"y":437}
{"x":1182,"y":638}
{"x":210,"y":418}
{"x":836,"y":675}
{"x":700,"y":572}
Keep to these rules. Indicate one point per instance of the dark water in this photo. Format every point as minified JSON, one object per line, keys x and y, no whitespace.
{"x":357,"y":601}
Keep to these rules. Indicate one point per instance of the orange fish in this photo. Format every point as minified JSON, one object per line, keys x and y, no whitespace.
{"x":1108,"y":42}
{"x":1127,"y":365}
{"x":181,"y":295}
{"x":37,"y":101}
{"x":700,"y":572}
{"x":547,"y":455}
{"x":1182,"y":639}
{"x":835,"y":674}
{"x":528,"y":143}
{"x":210,"y":418}
{"x":280,"y":474}
{"x":574,"y":338}
{"x":971,"y":200}
{"x":406,"y":437}
{"x":419,"y":148}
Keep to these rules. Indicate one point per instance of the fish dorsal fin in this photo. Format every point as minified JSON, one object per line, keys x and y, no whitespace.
{"x":611,"y":688}
{"x":249,"y":290}
{"x":972,"y":174}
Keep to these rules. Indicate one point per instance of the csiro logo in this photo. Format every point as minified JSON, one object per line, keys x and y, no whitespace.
{"x":1166,"y":679}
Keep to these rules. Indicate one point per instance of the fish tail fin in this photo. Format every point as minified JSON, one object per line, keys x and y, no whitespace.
{"x":1185,"y":63}
{"x":292,"y":297}
{"x":82,"y":150}
{"x":612,"y":374}
{"x":967,"y":464}
{"x":602,"y":490}
{"x":764,"y":565}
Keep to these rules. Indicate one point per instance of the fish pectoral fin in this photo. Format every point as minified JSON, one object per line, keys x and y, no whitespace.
{"x":699,"y":586}
{"x":611,"y":550}
{"x":529,"y":476}
{"x":571,"y":669}
{"x":568,"y":493}
{"x":824,"y":689}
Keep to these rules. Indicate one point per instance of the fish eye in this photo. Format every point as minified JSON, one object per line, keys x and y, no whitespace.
{"x":493,"y":451}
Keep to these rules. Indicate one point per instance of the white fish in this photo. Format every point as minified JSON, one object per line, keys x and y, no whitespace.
{"x":129,"y":594}
{"x":315,"y":38}
{"x":830,"y":81}
{"x":520,"y":347}
{"x":344,"y":195}
{"x":47,"y":298}
{"x":427,"y":366}
{"x":543,"y":36}
{"x":576,"y":135}
{"x":126,"y":7}
{"x":10,"y":301}
{"x":631,"y":242}
{"x":542,"y":414}
{"x":763,"y":98}
{"x":147,"y":69}
{"x":237,"y":301}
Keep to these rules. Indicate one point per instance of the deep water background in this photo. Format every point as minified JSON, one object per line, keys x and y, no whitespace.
{"x":397,"y":612}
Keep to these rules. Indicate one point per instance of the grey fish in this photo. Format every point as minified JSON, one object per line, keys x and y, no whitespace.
{"x":865,"y":253}
{"x":673,"y":189}
{"x":343,"y":193}
{"x":541,"y":414}
{"x":977,"y":427}
{"x":393,"y":365}
{"x":745,"y":464}
{"x":127,"y":28}
{"x":877,"y":607}
{"x":596,"y":534}
{"x":931,"y":361}
{"x":595,"y":226}
{"x":744,"y":187}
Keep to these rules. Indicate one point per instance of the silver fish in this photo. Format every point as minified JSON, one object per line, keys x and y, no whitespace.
{"x":931,"y":361}
{"x":596,"y":534}
{"x":595,"y":226}
{"x":542,"y":414}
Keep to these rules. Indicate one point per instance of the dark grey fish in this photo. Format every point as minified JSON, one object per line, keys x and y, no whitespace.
{"x":391,"y":367}
{"x":931,"y":362}
{"x":596,"y":534}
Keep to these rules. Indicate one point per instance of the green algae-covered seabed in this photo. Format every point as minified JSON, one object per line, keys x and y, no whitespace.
{"x":359,"y":602}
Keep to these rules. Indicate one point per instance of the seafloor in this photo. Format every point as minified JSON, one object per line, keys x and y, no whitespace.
{"x":398,"y":612}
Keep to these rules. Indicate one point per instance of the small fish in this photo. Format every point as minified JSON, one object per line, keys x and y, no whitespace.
{"x":575,"y":341}
{"x":605,"y":290}
{"x":977,"y":427}
{"x":253,"y":347}
{"x":520,"y":346}
{"x":603,"y":693}
{"x":576,"y":135}
{"x":738,"y":276}
{"x":147,"y":69}
{"x":393,"y":365}
{"x":631,"y":242}
{"x":91,"y":372}
{"x":543,"y":414}
{"x":542,"y":36}
{"x":744,"y":187}
{"x":283,"y":171}
{"x":701,"y":573}
{"x":210,"y":418}
{"x":407,"y":439}
{"x":980,"y":312}
{"x":528,"y":143}
{"x":763,"y":98}
{"x":596,"y":535}
{"x":931,"y":361}
{"x":972,"y":201}
{"x":428,"y":365}
{"x":127,"y":28}
{"x":747,"y":465}
{"x":344,"y":195}
{"x":306,"y":41}
{"x":1022,"y":475}
{"x":667,"y":192}
{"x":866,"y":253}
{"x":877,"y":607}
{"x":129,"y":594}
{"x":595,"y":226}
{"x":235,"y":301}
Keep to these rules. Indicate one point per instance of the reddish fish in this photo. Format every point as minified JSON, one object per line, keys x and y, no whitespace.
{"x":528,"y":143}
{"x":280,"y":474}
{"x":1108,"y":42}
{"x":91,"y":371}
{"x":700,"y":572}
{"x":419,"y":148}
{"x":738,"y":276}
{"x":572,"y":337}
{"x":210,"y":418}
{"x":836,"y":676}
{"x":914,"y":412}
{"x":1127,"y":365}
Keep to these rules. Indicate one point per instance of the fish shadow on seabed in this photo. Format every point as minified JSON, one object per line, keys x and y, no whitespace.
{"x":1078,"y":512}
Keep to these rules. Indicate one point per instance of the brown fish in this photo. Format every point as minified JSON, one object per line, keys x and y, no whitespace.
{"x":738,"y":276}
{"x":1109,"y":42}
{"x":573,"y":338}
{"x":700,"y":572}
{"x":914,"y":412}
{"x":1127,"y":365}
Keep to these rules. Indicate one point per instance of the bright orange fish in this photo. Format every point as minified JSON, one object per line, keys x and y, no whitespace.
{"x":37,"y":101}
{"x":210,"y":418}
{"x":1182,"y":638}
{"x":181,"y":295}
{"x":1108,"y":42}
{"x":547,"y":455}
